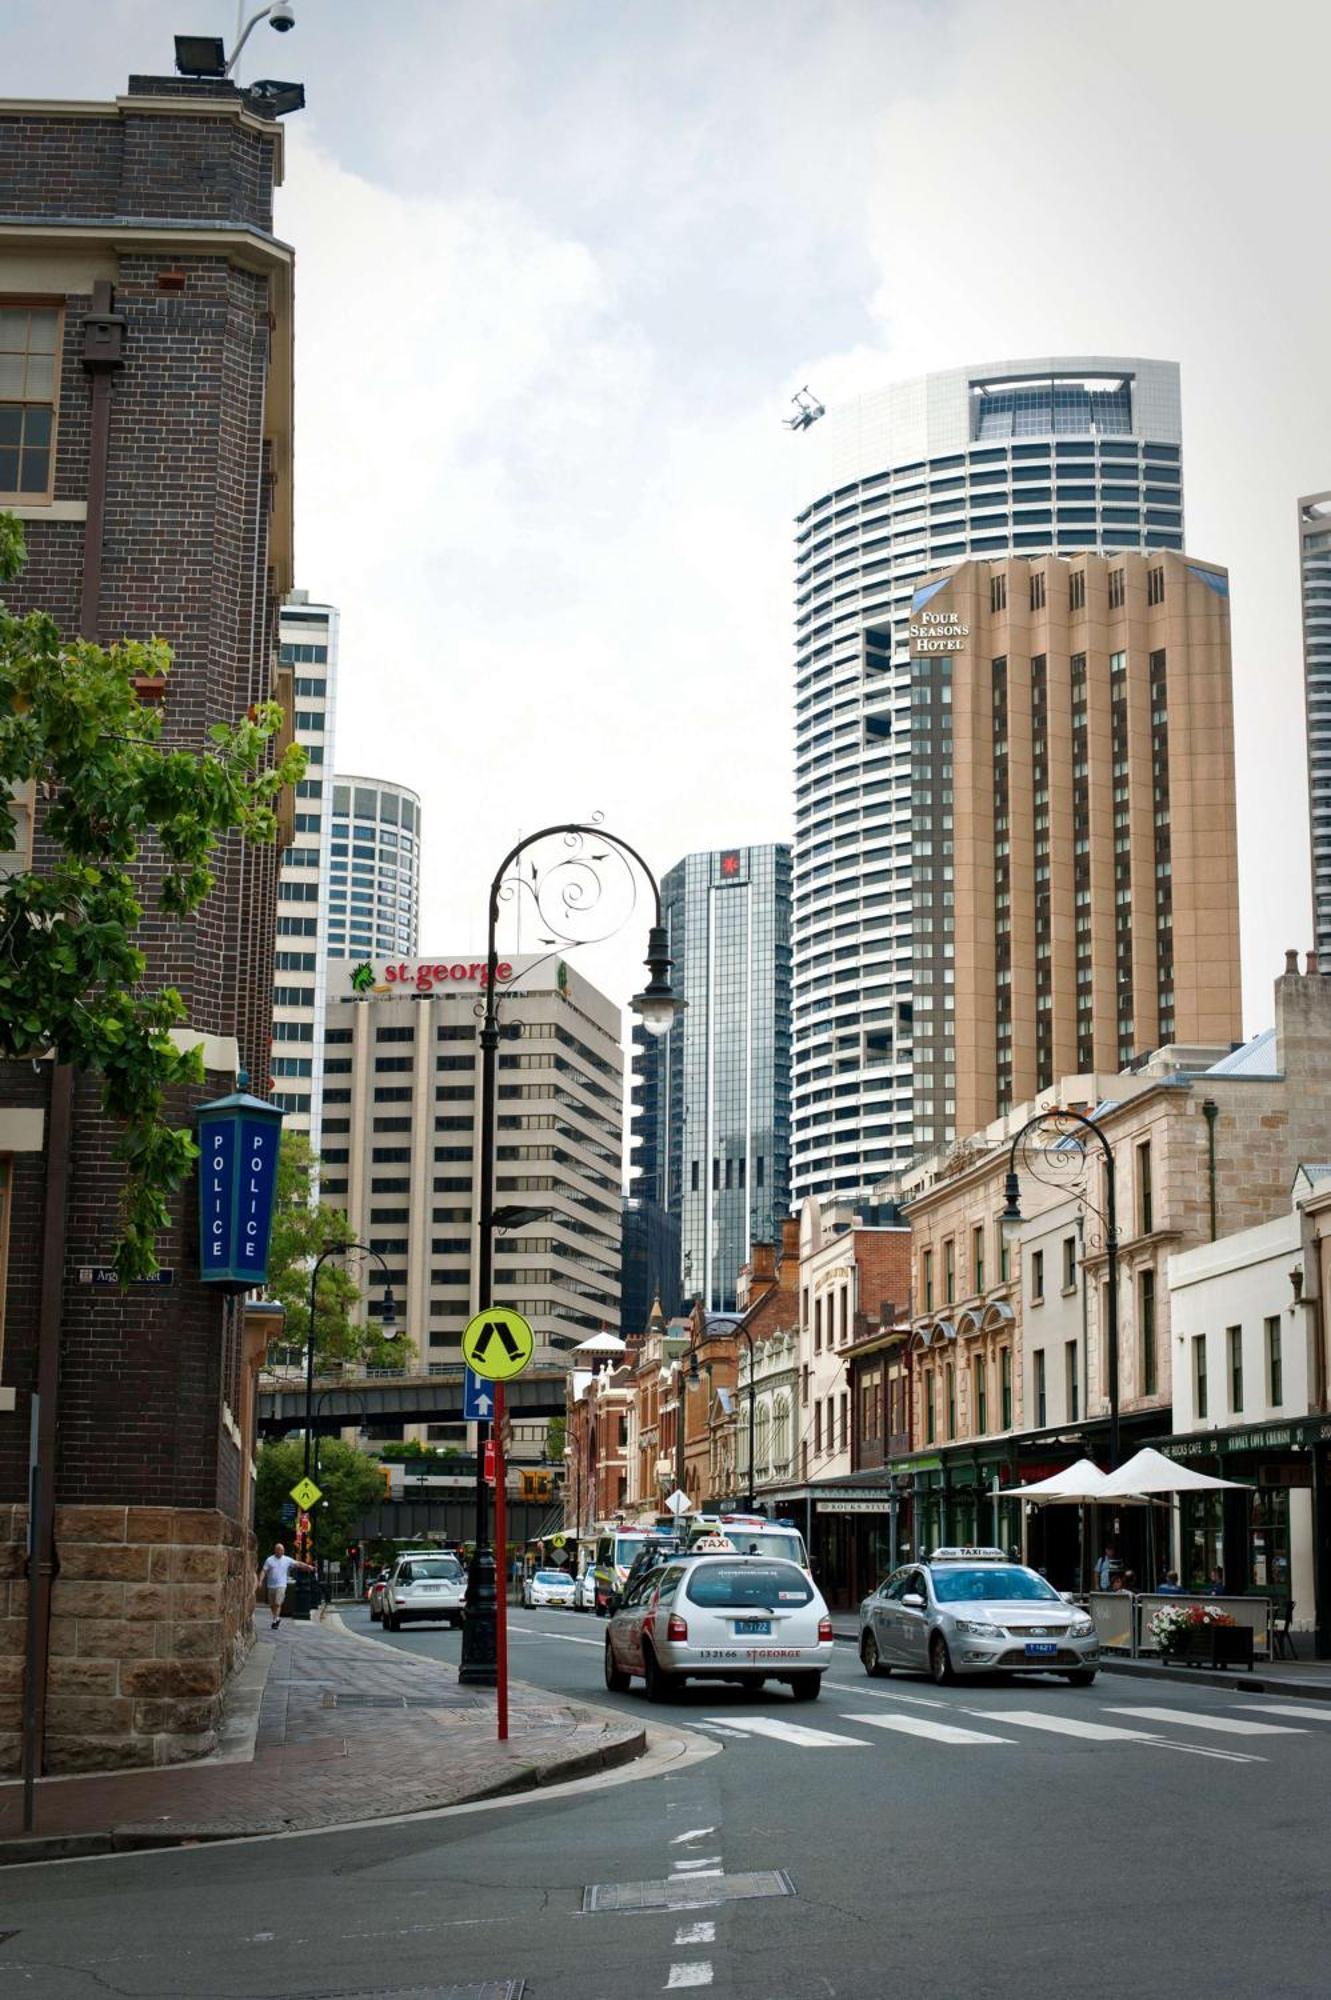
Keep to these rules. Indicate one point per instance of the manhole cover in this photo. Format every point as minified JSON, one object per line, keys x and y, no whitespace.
{"x":680,"y":1892}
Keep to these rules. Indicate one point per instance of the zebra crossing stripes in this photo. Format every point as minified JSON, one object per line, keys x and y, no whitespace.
{"x":1304,"y":1710}
{"x":1062,"y":1725}
{"x":923,"y":1725}
{"x":797,"y":1733}
{"x":1223,"y":1725}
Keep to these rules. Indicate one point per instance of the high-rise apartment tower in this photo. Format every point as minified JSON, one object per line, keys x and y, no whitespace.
{"x":1315,"y":579}
{"x":307,"y":636}
{"x":1056,"y":454}
{"x":712,"y":1098}
{"x":374,"y":869}
{"x":1075,"y":848}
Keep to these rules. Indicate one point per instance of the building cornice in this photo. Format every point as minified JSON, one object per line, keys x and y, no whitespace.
{"x":234,"y":109}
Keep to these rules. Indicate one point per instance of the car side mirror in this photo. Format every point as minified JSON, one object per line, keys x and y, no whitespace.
{"x":1068,"y":1596}
{"x":913,"y":1601}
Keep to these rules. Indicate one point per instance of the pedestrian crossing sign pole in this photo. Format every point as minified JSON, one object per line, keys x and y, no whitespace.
{"x":496,"y":1346}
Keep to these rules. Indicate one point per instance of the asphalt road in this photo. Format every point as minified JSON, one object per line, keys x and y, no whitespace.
{"x":995,"y":1839}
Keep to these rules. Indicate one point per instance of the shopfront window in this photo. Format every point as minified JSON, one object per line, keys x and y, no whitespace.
{"x":1202,"y":1538}
{"x":1275,"y":1373}
{"x":1268,"y":1540}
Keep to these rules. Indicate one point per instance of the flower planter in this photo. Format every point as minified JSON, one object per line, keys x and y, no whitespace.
{"x":1211,"y":1646}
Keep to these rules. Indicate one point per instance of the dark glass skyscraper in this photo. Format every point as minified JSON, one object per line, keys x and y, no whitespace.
{"x":711,"y":1117}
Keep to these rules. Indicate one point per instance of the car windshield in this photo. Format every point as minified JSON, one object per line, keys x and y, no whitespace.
{"x":627,"y":1547}
{"x":442,"y":1566}
{"x":733,"y":1584}
{"x":553,"y":1576}
{"x":766,"y":1543}
{"x":999,"y":1585}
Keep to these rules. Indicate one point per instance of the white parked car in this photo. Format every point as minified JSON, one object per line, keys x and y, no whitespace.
{"x":422,"y":1587}
{"x":720,"y":1618}
{"x":548,"y":1586}
{"x":584,"y":1591}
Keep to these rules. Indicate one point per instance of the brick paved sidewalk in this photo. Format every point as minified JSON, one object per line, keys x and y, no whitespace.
{"x":348,"y":1729}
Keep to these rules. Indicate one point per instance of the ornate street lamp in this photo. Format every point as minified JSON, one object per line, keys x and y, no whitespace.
{"x":572,"y":887}
{"x":1055,"y":1149}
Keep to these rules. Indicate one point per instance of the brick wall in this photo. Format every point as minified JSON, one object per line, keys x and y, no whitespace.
{"x":146,"y":1375}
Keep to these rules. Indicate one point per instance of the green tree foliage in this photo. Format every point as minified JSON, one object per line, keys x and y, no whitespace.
{"x":556,"y":1437}
{"x":302,"y":1228}
{"x":351,"y":1483}
{"x":74,"y":727}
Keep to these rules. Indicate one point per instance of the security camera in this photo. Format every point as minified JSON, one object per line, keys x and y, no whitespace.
{"x":282,"y":16}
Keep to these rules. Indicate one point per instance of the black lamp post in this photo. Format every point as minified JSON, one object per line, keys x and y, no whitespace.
{"x":1062,"y":1154}
{"x":387,"y":1322}
{"x":566,"y":893}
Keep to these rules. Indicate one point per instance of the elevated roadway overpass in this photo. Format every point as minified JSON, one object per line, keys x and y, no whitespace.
{"x":341,"y":1401}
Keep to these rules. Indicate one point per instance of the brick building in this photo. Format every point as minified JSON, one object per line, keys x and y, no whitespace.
{"x":149,"y":302}
{"x":1010,"y":1342}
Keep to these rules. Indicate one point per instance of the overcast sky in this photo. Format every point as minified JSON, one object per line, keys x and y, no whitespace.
{"x":561,"y":264}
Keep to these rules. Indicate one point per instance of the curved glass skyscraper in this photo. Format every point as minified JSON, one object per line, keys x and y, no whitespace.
{"x":1055,"y":454}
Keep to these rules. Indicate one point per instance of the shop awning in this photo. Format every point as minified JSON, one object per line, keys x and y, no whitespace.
{"x":1082,"y":1481}
{"x":1149,"y":1471}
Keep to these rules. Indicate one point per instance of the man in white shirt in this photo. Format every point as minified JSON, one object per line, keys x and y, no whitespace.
{"x":273,"y":1579}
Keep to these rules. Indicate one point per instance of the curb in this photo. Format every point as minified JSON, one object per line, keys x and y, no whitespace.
{"x":1254,"y":1683}
{"x":583,"y":1763}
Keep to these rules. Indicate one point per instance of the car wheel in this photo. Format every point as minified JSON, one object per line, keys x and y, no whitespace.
{"x":389,"y":1622}
{"x":805,"y":1687}
{"x":376,"y":1617}
{"x":659,"y":1682}
{"x":940,"y":1662}
{"x":751,"y":1682}
{"x":616,"y":1679}
{"x":871,"y":1659}
{"x":456,"y":1623}
{"x":1083,"y":1678}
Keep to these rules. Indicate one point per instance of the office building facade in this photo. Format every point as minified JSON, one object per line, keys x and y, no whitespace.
{"x":712,"y":1098}
{"x":1315,"y":583}
{"x":1051,"y":455}
{"x":307,"y":650}
{"x":374,"y":869}
{"x":1075,"y":848}
{"x":401,"y":1133}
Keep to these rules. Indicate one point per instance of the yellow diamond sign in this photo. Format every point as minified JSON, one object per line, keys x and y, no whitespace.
{"x":305,"y":1493}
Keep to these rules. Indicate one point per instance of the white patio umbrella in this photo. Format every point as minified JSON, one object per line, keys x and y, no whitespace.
{"x":1150,"y":1472}
{"x":1082,"y":1481}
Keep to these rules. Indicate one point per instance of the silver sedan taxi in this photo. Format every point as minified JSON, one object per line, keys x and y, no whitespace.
{"x":720,"y":1617}
{"x":974,"y":1611}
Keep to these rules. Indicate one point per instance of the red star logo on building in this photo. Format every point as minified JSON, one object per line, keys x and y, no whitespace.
{"x":730,"y":864}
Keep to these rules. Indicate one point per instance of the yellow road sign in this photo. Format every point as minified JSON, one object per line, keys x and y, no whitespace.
{"x":498,"y":1344}
{"x":305,"y":1493}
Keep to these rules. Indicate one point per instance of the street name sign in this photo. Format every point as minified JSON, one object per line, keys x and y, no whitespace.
{"x":498,"y":1344}
{"x":306,"y":1494}
{"x":478,"y":1399}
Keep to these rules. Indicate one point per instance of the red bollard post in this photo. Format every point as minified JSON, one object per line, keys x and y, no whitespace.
{"x":501,"y":1560}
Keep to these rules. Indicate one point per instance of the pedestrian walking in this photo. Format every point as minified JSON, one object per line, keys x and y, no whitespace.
{"x":272,"y":1579}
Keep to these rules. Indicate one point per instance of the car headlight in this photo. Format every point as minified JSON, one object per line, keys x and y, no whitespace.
{"x":1082,"y":1628}
{"x":974,"y":1627}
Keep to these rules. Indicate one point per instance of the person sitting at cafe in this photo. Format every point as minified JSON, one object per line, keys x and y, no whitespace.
{"x":1171,"y":1587}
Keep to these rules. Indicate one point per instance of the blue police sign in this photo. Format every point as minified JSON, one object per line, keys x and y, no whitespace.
{"x":239,"y":1137}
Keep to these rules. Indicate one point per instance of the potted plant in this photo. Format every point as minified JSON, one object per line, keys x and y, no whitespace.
{"x":1203,"y":1634}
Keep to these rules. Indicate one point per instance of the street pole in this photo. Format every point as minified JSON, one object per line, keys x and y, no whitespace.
{"x":753,"y":1396}
{"x":656,"y":1008}
{"x":1011,"y":1218}
{"x":386,"y":1322}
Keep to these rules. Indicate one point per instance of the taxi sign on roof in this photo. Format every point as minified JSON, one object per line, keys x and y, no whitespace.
{"x":967,"y":1555}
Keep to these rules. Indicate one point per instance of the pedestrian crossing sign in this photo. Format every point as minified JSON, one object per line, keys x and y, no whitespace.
{"x":498,"y":1343}
{"x":306,"y":1494}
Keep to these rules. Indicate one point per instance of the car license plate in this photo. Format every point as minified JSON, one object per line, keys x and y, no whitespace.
{"x":1040,"y":1649}
{"x":754,"y":1628}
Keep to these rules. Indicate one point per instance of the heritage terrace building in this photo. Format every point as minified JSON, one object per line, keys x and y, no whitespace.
{"x":1057,"y":454}
{"x":401,"y":1129}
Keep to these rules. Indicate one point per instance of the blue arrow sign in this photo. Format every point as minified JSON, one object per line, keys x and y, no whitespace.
{"x":478,"y":1398}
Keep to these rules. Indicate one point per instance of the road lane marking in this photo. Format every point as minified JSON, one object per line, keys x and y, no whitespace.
{"x":923,"y":1725}
{"x":707,"y":1864}
{"x":695,"y":1833}
{"x":567,"y":1638}
{"x":696,"y":1934}
{"x":1179,"y":1717}
{"x":1322,"y":1712}
{"x":789,"y":1732}
{"x":695,"y":1972}
{"x":1062,"y":1725}
{"x":887,"y":1694}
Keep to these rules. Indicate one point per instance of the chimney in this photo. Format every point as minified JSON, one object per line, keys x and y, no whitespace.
{"x":1303,"y":1024}
{"x":790,"y":1238}
{"x":1291,"y":964}
{"x":762,"y":1260}
{"x":1312,"y":963}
